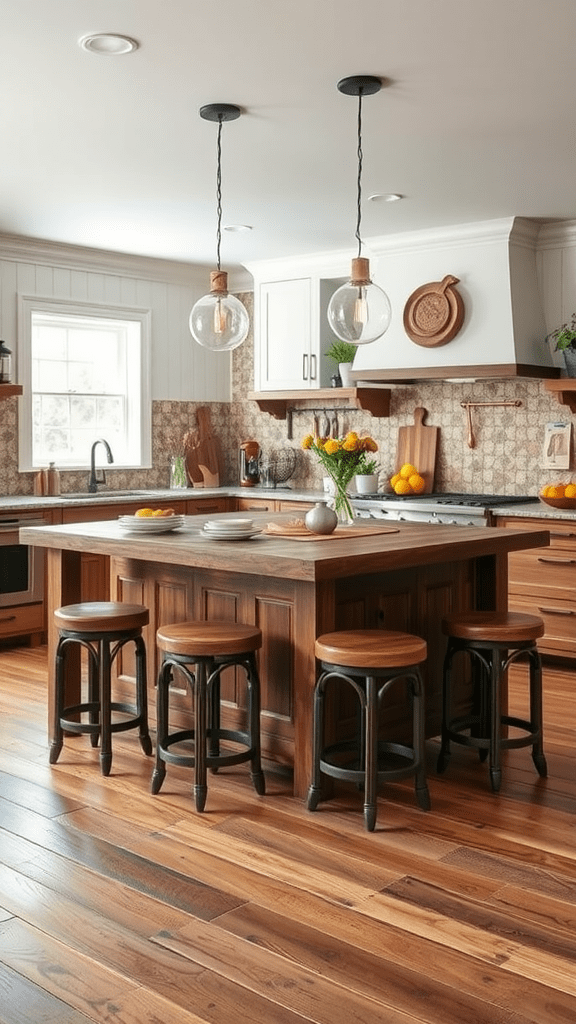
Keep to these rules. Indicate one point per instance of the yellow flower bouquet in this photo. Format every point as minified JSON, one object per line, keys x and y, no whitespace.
{"x":341,"y":457}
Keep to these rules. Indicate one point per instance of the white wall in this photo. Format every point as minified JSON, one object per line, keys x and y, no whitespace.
{"x":181,"y":369}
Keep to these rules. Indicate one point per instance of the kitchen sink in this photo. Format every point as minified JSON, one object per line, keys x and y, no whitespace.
{"x":75,"y":496}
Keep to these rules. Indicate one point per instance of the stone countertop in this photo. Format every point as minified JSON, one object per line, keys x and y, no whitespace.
{"x":531,"y":510}
{"x":29,"y":502}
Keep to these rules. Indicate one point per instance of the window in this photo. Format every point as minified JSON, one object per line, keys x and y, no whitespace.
{"x":85,"y":375}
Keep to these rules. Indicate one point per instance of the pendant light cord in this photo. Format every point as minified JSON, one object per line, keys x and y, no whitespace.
{"x":219,"y":191}
{"x":359,"y":180}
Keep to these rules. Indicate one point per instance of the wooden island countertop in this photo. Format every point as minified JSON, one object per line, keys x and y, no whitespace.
{"x":407,"y":578}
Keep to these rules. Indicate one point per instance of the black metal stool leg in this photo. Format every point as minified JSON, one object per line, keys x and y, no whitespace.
{"x":142,"y":696}
{"x":418,"y":741}
{"x":200,"y":726}
{"x":536,"y":715}
{"x":159,"y":773}
{"x":253,"y":687}
{"x":105,"y":707}
{"x":315,"y":791}
{"x":370,"y":763}
{"x":56,"y":746}
{"x":213,"y":697}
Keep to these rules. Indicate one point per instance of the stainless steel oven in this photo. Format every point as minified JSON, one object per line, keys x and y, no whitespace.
{"x":450,"y":509}
{"x":21,"y":566}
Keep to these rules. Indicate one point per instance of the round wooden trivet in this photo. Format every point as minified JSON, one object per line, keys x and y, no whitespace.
{"x":434,"y":313}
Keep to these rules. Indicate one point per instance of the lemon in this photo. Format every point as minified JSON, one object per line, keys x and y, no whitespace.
{"x":570,"y":491}
{"x":402,"y":487}
{"x":144,"y":512}
{"x":408,"y":470}
{"x":556,"y":491}
{"x":394,"y":479}
{"x":417,"y":483}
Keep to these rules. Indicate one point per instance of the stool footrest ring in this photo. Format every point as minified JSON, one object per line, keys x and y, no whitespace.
{"x":93,"y":707}
{"x":212,"y":760}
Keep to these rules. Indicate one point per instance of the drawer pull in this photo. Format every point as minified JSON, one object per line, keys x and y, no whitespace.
{"x":556,"y":611}
{"x":558,"y":561}
{"x":7,"y":618}
{"x":562,"y":536}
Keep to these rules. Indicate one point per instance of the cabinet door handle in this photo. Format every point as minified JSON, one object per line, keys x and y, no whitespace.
{"x":556,"y":611}
{"x":305,"y":366}
{"x":558,"y":561}
{"x":312,"y":367}
{"x":7,"y":618}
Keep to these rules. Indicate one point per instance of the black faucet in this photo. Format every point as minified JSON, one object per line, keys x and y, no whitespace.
{"x":92,"y":481}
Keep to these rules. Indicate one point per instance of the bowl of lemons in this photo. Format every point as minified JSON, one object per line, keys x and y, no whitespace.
{"x":561,"y":495}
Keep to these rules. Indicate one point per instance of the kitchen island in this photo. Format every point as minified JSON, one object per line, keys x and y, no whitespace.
{"x":406,"y":576}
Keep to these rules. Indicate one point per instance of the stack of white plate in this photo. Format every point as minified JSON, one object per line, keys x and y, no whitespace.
{"x":230,"y":529}
{"x":150,"y":524}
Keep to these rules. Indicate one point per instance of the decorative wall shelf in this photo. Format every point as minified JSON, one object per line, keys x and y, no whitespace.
{"x":565,"y":390}
{"x":7,"y":390}
{"x":373,"y":400}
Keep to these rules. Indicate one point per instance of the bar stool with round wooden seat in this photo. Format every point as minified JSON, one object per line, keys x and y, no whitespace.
{"x":493,"y":640}
{"x":102,"y":629}
{"x":200,"y":651}
{"x":371,"y":661}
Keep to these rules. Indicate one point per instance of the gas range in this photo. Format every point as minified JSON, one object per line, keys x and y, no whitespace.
{"x":457,"y":509}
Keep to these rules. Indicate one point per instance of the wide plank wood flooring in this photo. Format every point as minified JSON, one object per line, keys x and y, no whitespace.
{"x":121,"y":907}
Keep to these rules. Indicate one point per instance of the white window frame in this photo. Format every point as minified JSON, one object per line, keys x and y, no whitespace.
{"x":28,"y":304}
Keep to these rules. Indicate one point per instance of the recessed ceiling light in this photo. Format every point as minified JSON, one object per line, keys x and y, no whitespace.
{"x":238,"y":227}
{"x":107,"y":44}
{"x":385,"y":197}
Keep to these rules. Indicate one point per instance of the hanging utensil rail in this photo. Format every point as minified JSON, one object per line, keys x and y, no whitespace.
{"x":468,"y":406}
{"x":310,"y":411}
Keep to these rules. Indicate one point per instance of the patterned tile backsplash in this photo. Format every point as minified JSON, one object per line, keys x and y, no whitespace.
{"x":506,"y":459}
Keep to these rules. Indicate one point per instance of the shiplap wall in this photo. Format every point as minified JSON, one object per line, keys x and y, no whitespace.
{"x":181,"y":369}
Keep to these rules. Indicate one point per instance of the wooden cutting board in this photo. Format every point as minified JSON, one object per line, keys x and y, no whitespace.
{"x":418,"y":445}
{"x":207,"y":450}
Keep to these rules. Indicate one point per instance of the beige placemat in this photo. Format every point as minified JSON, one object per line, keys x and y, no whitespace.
{"x":299,"y":531}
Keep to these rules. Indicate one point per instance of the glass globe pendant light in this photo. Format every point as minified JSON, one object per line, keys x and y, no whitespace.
{"x":359,"y":312}
{"x":219,"y":321}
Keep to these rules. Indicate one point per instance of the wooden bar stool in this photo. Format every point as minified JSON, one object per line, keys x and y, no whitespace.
{"x":370,"y":661}
{"x":101,"y":628}
{"x":201,"y":651}
{"x":494,"y":640}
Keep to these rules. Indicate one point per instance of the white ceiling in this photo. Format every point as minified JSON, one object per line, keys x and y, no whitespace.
{"x":478,"y":120}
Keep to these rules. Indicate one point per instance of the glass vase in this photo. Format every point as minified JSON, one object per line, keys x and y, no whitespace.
{"x":342,"y":505}
{"x":178,"y":478}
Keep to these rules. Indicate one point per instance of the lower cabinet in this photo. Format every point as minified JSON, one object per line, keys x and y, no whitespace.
{"x":542,"y":581}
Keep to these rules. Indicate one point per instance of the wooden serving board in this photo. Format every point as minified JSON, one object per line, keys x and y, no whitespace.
{"x":207,"y":450}
{"x":191,"y":459}
{"x":340,"y":533}
{"x":418,"y":445}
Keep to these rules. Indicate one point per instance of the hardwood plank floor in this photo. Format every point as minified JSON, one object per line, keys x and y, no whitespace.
{"x":120,"y":907}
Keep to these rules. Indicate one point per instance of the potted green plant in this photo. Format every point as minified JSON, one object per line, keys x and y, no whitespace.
{"x":564,"y":338}
{"x":342,"y":352}
{"x":366,"y":476}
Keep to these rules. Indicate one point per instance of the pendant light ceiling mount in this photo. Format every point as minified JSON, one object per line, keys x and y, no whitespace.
{"x":367,"y":85}
{"x":359,"y":312}
{"x":219,"y":321}
{"x":220,"y":112}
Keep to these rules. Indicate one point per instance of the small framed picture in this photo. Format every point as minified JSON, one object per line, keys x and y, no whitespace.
{"x":557,"y":446}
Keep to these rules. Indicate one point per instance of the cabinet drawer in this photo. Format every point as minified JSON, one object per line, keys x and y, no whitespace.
{"x":543,"y":571}
{"x":22,"y":619}
{"x":255,"y":505}
{"x":207,"y":506}
{"x":559,"y":622}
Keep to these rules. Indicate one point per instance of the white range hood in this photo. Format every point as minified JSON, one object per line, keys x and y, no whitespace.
{"x":503,"y":331}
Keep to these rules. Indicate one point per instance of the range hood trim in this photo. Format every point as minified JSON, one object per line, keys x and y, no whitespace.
{"x":449,"y":374}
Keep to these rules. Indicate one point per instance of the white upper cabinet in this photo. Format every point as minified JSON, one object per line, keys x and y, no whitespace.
{"x":283,"y":329}
{"x":291,"y":332}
